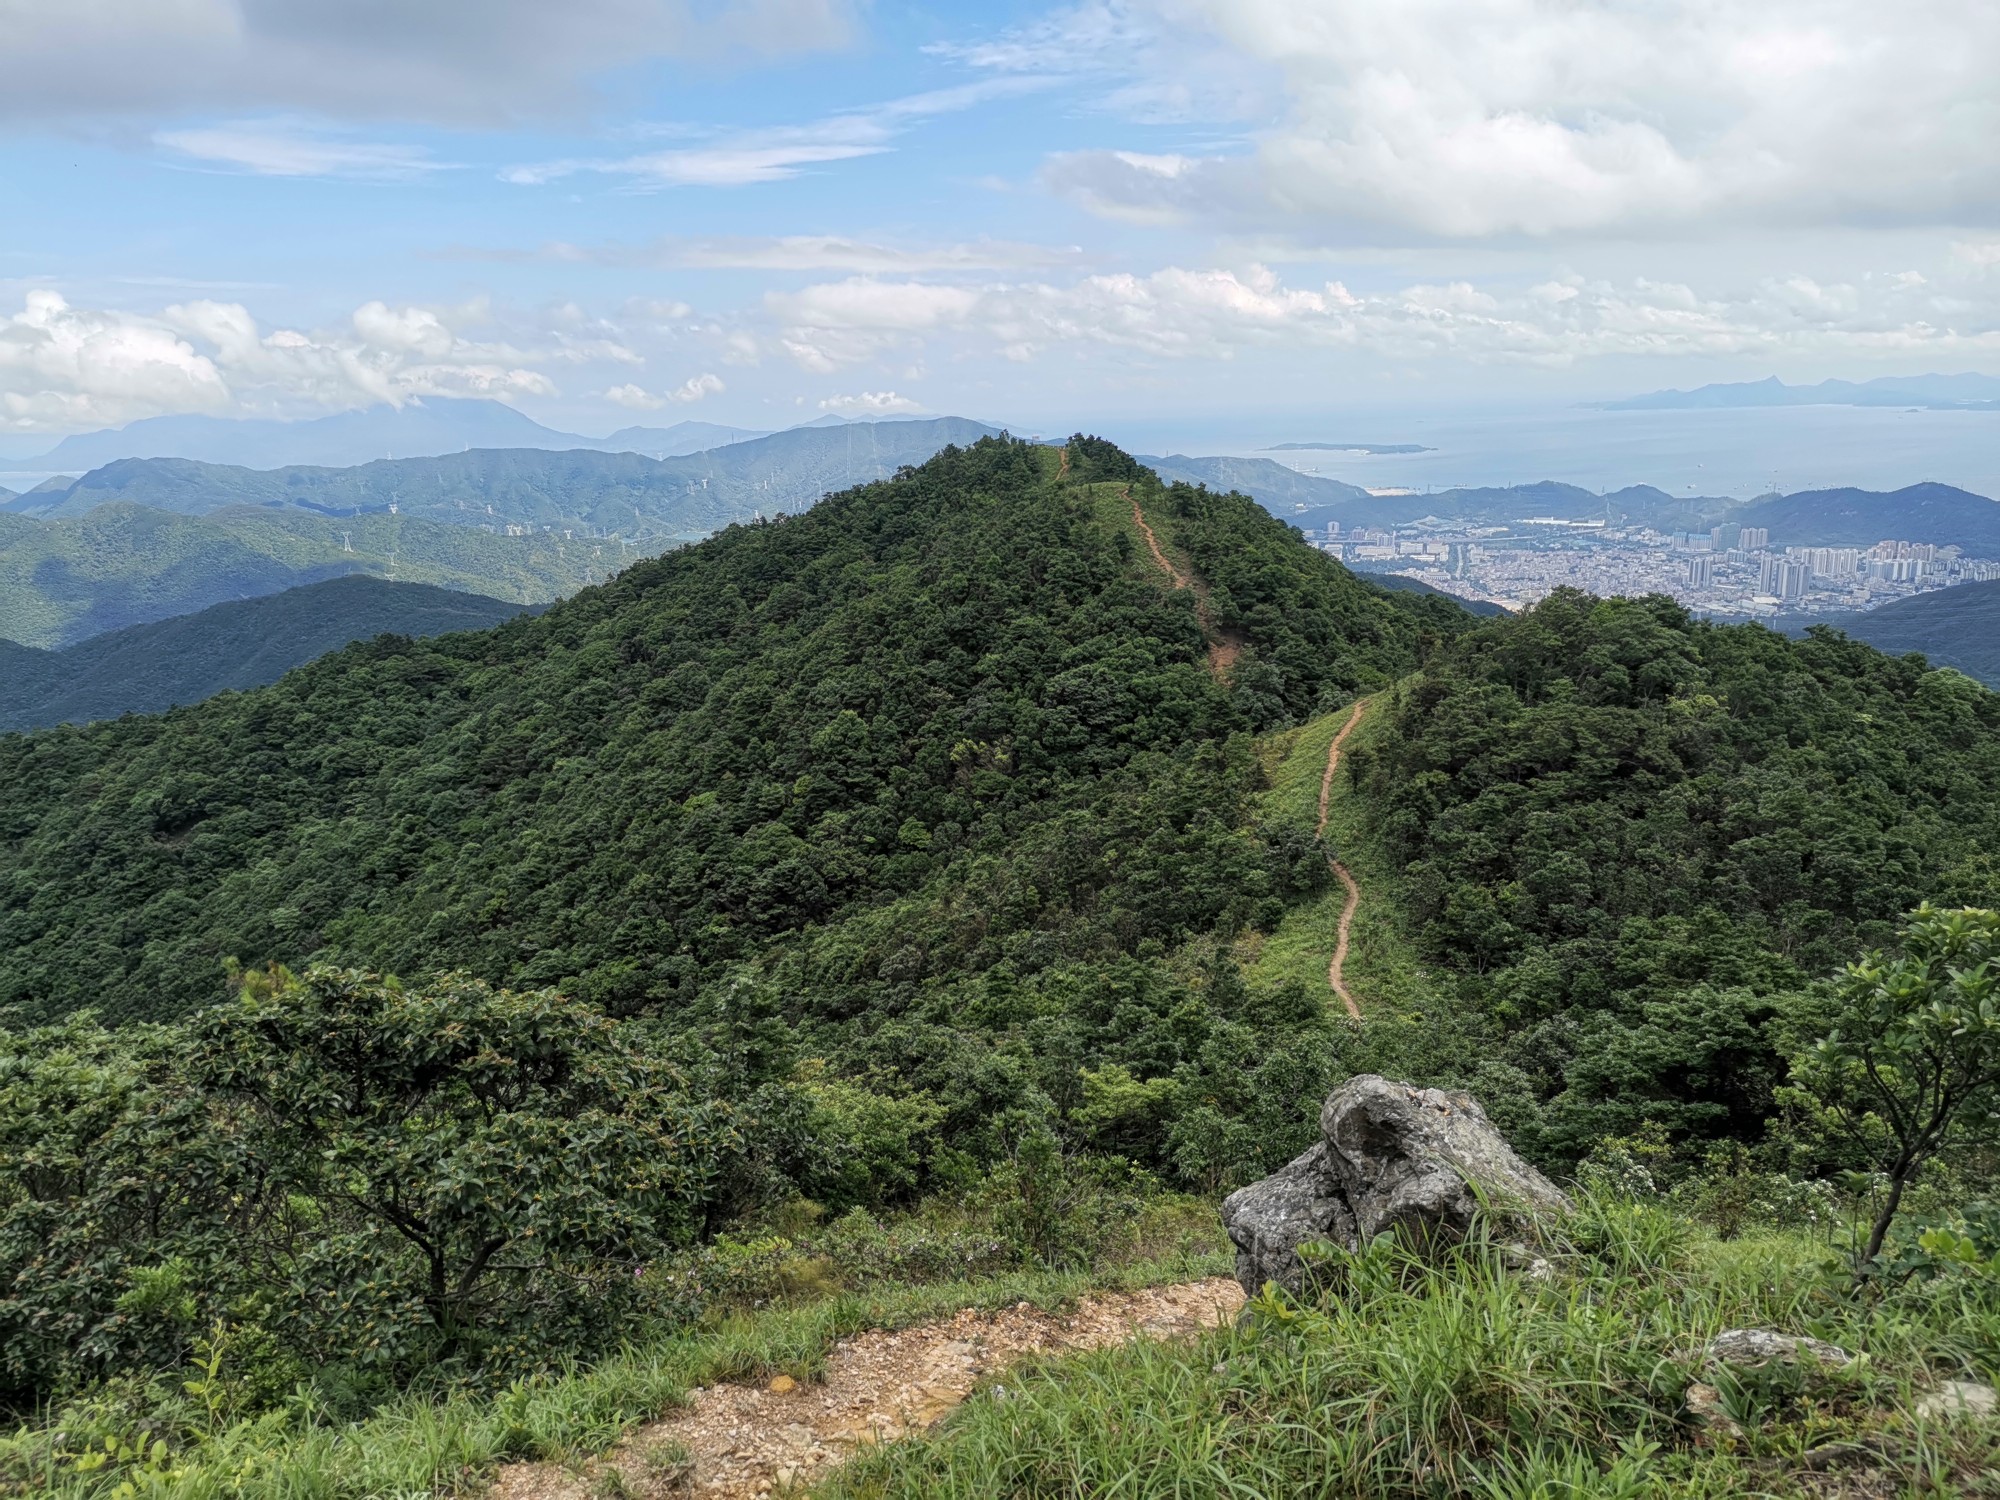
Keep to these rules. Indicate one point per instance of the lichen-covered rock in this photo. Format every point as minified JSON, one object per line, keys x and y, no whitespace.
{"x":1960,"y":1400}
{"x":1269,"y":1220}
{"x":1419,"y":1163}
{"x":1752,"y":1348}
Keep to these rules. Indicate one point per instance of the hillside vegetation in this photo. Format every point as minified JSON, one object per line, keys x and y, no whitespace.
{"x":242,"y":644}
{"x":961,"y":681}
{"x":457,"y":1048}
{"x":1955,"y":627}
{"x":119,"y":565}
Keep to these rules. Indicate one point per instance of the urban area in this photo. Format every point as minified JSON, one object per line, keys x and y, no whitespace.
{"x":1729,"y":570}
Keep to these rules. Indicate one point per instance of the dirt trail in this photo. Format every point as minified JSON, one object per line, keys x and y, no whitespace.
{"x":1224,"y":646}
{"x":749,"y":1441}
{"x":1062,"y":465}
{"x":1335,"y":977}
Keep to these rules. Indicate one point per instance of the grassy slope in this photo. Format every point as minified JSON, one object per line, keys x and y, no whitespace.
{"x":1382,"y":969}
{"x":421,"y":1445}
{"x":1479,"y":1381}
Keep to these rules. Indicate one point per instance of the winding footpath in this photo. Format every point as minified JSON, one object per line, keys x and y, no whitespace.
{"x":748,"y":1441}
{"x":1334,"y":975}
{"x":1224,"y":646}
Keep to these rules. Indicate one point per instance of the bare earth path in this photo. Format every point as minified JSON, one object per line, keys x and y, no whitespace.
{"x":749,"y":1441}
{"x":1334,"y":975}
{"x":1224,"y":646}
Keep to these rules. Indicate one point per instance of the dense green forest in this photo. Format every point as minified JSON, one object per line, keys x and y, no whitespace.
{"x":1623,"y":831}
{"x":451,"y":1008}
{"x":244,"y":643}
{"x":918,"y":686}
{"x":1954,"y":627}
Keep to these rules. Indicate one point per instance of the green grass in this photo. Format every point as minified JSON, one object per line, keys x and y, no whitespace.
{"x":1382,"y":969}
{"x":1476,"y":1380}
{"x":420,"y":1446}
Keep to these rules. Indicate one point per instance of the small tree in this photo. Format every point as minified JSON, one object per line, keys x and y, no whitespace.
{"x":511,"y":1141}
{"x":1913,"y":1060}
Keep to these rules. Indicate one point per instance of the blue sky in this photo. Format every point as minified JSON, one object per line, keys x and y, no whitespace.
{"x":755,"y":212}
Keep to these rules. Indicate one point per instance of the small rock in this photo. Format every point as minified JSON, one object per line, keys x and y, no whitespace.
{"x":1704,"y":1409}
{"x":1755,"y":1347}
{"x":785,"y":1477}
{"x":1959,"y":1398}
{"x":782,"y":1385}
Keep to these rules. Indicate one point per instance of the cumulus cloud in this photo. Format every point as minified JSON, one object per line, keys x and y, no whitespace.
{"x":1545,"y":117}
{"x":638,"y":398}
{"x":64,"y":367}
{"x":870,"y":404}
{"x":1178,"y":313}
{"x":454,"y":61}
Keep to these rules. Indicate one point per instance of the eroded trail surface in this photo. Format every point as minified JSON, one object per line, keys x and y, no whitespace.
{"x":1335,"y":970}
{"x":747,"y":1441}
{"x":1224,"y":646}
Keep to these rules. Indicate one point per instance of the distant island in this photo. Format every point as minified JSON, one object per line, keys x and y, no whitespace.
{"x":1968,"y":392}
{"x":1349,"y":448}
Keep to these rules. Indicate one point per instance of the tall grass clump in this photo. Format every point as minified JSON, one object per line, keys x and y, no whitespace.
{"x":1481,"y":1376}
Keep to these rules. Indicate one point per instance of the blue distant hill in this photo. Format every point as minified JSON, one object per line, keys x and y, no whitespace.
{"x":1968,"y":392}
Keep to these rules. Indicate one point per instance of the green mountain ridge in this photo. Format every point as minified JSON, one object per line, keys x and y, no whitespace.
{"x":1955,"y":627}
{"x":981,"y":641}
{"x":618,"y":494}
{"x":236,"y":645}
{"x":120,"y":565}
{"x":941,"y":884}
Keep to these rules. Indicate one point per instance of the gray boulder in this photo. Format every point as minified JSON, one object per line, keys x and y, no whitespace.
{"x":1418,"y":1163}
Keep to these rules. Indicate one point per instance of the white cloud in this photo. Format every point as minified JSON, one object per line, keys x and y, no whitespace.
{"x":454,"y":61}
{"x":782,"y":152}
{"x":870,"y":404}
{"x":1439,"y":118}
{"x":290,"y":148}
{"x":64,"y":367}
{"x":1202,"y":314}
{"x":638,"y":398}
{"x":807,"y":252}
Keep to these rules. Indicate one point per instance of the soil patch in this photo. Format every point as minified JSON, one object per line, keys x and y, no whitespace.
{"x":745,"y":1441}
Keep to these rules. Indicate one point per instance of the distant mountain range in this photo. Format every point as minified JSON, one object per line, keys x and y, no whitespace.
{"x":417,"y":430}
{"x":1955,"y":627}
{"x":625,"y":495}
{"x":244,"y":643}
{"x":1967,"y":392}
{"x":1277,"y":487}
{"x":147,"y":539}
{"x":67,"y":580}
{"x":1937,"y":513}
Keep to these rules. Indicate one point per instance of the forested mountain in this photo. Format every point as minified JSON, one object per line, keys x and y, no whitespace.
{"x":1955,"y":627}
{"x":1621,"y":830}
{"x":241,"y":644}
{"x":118,"y":565}
{"x":619,"y":494}
{"x":959,"y":680}
{"x":1938,"y":513}
{"x":1279,"y":487}
{"x":975,"y":838}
